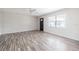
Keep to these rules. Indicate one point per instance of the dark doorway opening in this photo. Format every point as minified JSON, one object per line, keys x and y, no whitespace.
{"x":41,"y":24}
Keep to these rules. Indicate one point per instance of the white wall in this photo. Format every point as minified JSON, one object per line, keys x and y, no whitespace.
{"x":71,"y":22}
{"x":17,"y":22}
{"x":0,"y":22}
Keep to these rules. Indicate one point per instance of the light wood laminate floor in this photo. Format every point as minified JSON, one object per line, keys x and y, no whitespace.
{"x":36,"y":41}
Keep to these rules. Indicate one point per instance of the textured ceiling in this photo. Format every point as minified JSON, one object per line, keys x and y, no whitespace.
{"x":42,"y":11}
{"x":16,"y":10}
{"x":30,"y":11}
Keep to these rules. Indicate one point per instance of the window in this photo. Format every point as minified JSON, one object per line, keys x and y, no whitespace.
{"x":60,"y":21}
{"x":57,"y":21}
{"x":51,"y":21}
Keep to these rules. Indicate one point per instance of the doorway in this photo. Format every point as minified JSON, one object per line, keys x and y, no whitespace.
{"x":41,"y":24}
